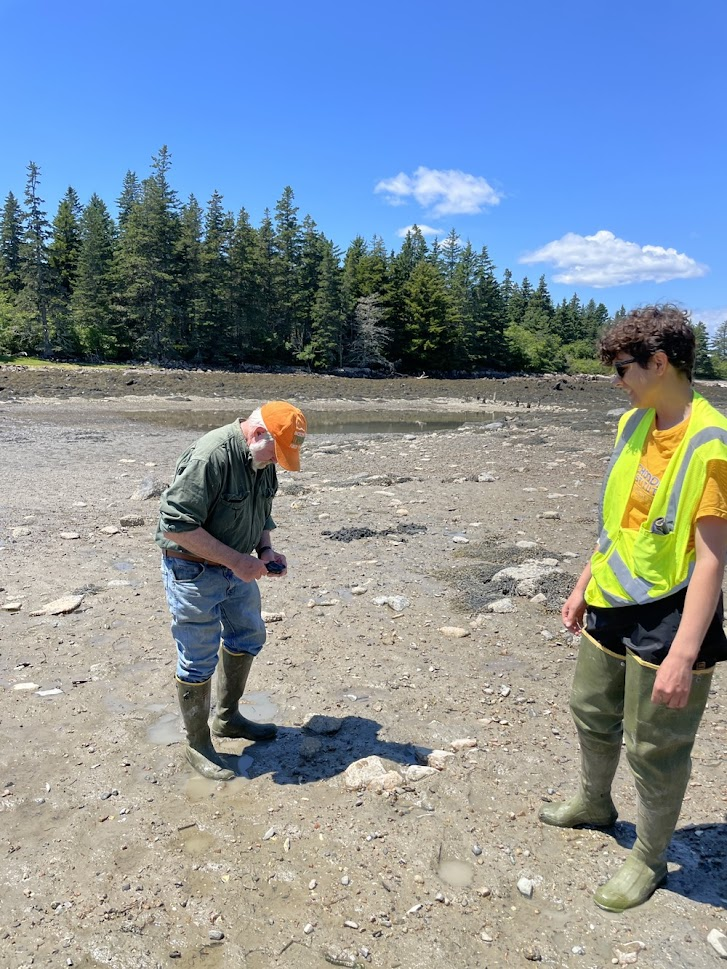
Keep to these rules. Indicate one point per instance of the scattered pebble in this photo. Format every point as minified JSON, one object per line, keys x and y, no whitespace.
{"x":526,"y":887}
{"x":272,"y":616}
{"x":464,"y":743}
{"x":454,"y":632}
{"x":397,"y":603}
{"x":130,"y":521}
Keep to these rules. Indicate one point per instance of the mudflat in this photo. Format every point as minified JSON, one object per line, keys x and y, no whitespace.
{"x":397,"y":635}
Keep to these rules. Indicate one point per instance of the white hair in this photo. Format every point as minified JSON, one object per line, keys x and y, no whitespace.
{"x":256,"y":420}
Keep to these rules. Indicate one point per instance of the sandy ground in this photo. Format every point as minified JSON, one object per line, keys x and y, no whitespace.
{"x":114,"y":854}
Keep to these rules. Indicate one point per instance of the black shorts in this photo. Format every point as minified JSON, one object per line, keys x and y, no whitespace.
{"x":648,"y":631}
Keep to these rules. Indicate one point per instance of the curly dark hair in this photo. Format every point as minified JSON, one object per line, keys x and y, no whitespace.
{"x":647,"y":329}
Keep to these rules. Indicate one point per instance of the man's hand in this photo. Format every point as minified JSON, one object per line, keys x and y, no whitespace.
{"x":270,"y":555}
{"x":249,"y":567}
{"x":673,"y":683}
{"x":573,"y":610}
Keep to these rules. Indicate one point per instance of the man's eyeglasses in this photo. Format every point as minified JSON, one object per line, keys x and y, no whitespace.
{"x":621,"y":366}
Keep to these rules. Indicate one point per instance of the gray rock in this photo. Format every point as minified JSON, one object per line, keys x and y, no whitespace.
{"x":501,"y":606}
{"x":318,"y":724}
{"x":415,"y":773}
{"x":149,"y":487}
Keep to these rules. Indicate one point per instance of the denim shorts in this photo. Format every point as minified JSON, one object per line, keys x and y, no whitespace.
{"x":209,"y":605}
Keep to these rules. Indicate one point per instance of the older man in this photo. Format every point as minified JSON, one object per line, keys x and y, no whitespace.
{"x":214,"y":515}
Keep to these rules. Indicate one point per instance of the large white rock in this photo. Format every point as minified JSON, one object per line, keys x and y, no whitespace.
{"x":718,"y":941}
{"x":359,"y":775}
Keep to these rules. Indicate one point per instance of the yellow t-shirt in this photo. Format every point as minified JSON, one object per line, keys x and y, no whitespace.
{"x":658,"y":449}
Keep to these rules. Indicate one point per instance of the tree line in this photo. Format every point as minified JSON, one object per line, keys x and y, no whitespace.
{"x":174,"y":282}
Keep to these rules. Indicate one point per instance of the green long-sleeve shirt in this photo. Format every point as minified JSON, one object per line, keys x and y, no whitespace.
{"x":216,"y":488}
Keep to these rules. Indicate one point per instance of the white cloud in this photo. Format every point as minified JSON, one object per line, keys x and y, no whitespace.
{"x":604,"y":260}
{"x":426,"y":230}
{"x":449,"y":192}
{"x":712,"y":318}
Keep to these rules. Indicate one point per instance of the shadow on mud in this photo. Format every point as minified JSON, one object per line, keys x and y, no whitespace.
{"x":300,"y":755}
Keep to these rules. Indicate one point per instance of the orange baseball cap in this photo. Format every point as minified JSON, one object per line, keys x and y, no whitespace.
{"x":288,"y":427}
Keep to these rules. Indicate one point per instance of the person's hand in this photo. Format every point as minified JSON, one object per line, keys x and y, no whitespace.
{"x":270,"y":555}
{"x":573,"y":611}
{"x":249,"y":567}
{"x":672,"y":684}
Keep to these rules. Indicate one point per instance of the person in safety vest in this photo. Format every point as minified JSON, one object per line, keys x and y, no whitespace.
{"x":651,"y":596}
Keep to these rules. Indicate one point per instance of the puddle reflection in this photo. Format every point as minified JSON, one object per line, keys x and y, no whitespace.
{"x":368,"y":421}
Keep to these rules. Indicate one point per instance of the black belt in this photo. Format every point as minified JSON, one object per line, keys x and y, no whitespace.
{"x":188,"y":557}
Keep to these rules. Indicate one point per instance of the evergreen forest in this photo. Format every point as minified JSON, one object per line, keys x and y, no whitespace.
{"x":178,"y":283}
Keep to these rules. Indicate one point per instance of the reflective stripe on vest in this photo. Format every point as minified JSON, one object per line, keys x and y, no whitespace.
{"x":705,"y":436}
{"x":629,"y":429}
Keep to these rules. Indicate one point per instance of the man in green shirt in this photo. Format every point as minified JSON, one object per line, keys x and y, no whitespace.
{"x":214,"y":515}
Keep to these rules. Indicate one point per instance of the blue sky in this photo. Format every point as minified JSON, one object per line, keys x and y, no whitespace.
{"x":580,"y":140}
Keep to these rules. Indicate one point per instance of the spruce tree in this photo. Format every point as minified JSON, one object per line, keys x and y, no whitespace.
{"x":270,"y":346}
{"x":91,"y":299}
{"x":35,"y":268}
{"x":312,"y":256}
{"x":402,"y":264}
{"x":703,"y":363}
{"x":247,"y":316}
{"x":11,"y":242}
{"x":215,"y":325}
{"x":325,"y":349}
{"x":429,"y":325}
{"x":147,"y":273}
{"x":488,"y":347}
{"x":189,"y":309}
{"x":63,"y":254}
{"x":287,"y":246}
{"x":66,"y":243}
{"x":130,"y":196}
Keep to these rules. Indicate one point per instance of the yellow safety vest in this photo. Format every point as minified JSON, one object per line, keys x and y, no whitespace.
{"x":636,"y":566}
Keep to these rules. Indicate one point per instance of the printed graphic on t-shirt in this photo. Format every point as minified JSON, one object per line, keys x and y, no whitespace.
{"x":645,"y":485}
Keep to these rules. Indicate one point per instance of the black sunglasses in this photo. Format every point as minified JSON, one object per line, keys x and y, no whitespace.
{"x":621,"y":366}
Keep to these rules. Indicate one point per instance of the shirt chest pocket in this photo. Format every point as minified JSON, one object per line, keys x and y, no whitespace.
{"x":233,"y":505}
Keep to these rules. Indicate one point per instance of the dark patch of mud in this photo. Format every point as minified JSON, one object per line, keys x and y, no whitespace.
{"x":355,"y":534}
